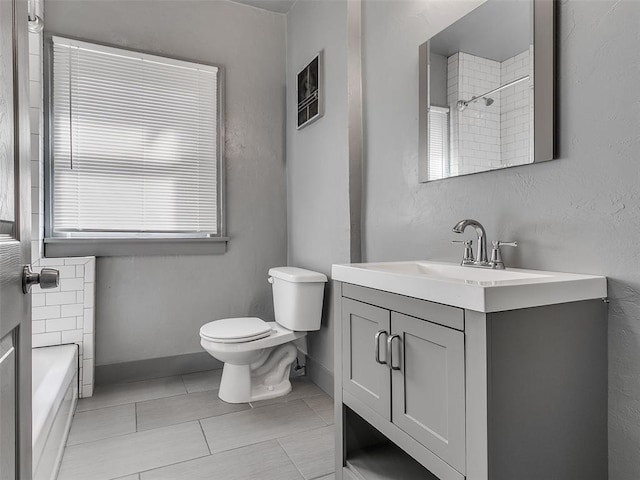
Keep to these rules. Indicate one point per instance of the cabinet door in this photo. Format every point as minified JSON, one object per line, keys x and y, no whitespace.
{"x":428,"y":388}
{"x":363,"y":377}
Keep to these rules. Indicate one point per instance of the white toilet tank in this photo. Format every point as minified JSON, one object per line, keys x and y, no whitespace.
{"x":297,"y":297}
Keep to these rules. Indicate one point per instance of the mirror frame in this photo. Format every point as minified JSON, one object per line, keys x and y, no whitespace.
{"x":544,"y":91}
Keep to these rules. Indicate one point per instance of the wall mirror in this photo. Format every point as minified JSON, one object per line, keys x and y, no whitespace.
{"x":487,"y":90}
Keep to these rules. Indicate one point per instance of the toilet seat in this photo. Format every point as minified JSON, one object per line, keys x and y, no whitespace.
{"x":278,"y":335}
{"x":235,"y":330}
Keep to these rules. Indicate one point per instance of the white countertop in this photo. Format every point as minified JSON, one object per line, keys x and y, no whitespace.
{"x":479,"y":289}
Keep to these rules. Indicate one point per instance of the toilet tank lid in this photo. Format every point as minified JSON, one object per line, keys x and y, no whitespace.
{"x":295,"y":274}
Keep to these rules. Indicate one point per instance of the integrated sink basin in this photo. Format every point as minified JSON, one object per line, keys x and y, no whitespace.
{"x":453,"y":272}
{"x":479,"y":289}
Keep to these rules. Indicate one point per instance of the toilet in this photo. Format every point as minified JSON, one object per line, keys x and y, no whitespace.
{"x":257,"y":355}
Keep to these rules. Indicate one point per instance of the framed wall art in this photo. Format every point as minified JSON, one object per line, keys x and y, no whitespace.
{"x":310,"y":92}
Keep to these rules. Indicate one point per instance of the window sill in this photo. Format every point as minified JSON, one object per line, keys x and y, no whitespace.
{"x":131,"y":247}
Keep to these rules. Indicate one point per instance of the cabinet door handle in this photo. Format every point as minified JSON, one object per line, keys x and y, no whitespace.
{"x":390,"y":352}
{"x":377,"y":339}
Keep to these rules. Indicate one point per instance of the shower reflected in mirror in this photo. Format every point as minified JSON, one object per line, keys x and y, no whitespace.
{"x":477,"y":92}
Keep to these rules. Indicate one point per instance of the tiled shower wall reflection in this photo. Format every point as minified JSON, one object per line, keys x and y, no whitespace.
{"x":64,"y":314}
{"x":489,"y":136}
{"x":475,"y":132}
{"x":516,"y":114}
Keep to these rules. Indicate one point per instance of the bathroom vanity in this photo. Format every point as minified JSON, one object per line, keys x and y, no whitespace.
{"x":449,"y":372}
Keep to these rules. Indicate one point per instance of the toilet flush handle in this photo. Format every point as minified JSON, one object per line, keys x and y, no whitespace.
{"x":270,"y":280}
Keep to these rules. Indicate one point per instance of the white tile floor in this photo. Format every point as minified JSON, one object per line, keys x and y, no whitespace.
{"x":177,"y":428}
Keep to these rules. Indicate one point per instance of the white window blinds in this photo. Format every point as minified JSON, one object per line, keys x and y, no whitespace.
{"x":135,"y":143}
{"x":438,"y":143}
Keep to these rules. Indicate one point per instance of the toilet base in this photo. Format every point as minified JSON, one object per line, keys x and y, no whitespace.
{"x":262,"y":392}
{"x":266,"y":378}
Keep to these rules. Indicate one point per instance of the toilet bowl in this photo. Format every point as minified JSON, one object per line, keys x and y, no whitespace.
{"x":257,"y":355}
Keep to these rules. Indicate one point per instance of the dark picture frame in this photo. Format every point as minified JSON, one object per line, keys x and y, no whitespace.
{"x":310,"y":91}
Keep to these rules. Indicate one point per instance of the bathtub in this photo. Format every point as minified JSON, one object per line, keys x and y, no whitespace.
{"x":55,"y":393}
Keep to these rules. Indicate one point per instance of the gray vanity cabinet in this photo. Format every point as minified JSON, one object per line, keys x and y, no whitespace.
{"x":408,"y":370}
{"x":428,"y":389}
{"x":445,"y":393}
{"x":424,"y":394}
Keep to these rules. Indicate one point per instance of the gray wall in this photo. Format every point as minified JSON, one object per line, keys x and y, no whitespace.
{"x":438,"y":79}
{"x":149,"y":307}
{"x":580,"y":213}
{"x":317,"y":156}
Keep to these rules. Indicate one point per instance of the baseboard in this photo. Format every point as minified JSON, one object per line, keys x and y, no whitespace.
{"x":320,"y":375}
{"x":193,"y":362}
{"x":155,"y":368}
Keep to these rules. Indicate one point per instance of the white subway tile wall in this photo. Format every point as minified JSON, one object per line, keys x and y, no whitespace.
{"x":489,"y":136}
{"x":516,"y":117}
{"x":478,"y":125}
{"x":64,"y":314}
{"x":453,"y":72}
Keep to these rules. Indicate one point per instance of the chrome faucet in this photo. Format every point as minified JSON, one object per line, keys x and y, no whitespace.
{"x":481,"y":259}
{"x":481,"y":255}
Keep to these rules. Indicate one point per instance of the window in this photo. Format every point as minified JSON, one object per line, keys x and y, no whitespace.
{"x":135,"y":145}
{"x":438,"y":143}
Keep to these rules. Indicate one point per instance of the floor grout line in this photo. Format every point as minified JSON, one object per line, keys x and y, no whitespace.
{"x":194,"y":420}
{"x":290,"y":459}
{"x":218,"y":453}
{"x":135,"y":415}
{"x":101,"y":408}
{"x":277,"y":439}
{"x":205,"y":437}
{"x":125,"y":476}
{"x":128,"y":403}
{"x":97,"y":440}
{"x":314,"y":410}
{"x":125,"y":434}
{"x":165,"y":466}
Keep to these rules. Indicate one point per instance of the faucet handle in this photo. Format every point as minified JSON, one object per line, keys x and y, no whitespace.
{"x":499,"y":243}
{"x":496,"y":256}
{"x":467,"y":257}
